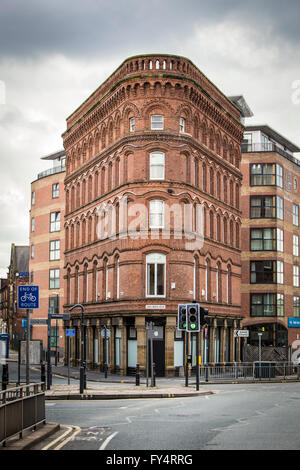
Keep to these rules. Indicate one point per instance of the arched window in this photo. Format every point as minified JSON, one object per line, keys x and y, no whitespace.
{"x":204,"y":178}
{"x":219,"y":285}
{"x":237,"y":235}
{"x":237,"y":196}
{"x":94,"y":280}
{"x":218,"y":229}
{"x":90,"y":188}
{"x":211,"y":224}
{"x":228,"y":284}
{"x":231,"y":233}
{"x":106,"y":294}
{"x":211,"y":182}
{"x":207,"y":280}
{"x":85,"y":283}
{"x":83,"y":195}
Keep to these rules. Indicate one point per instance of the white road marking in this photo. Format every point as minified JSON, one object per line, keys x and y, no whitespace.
{"x":107,"y":440}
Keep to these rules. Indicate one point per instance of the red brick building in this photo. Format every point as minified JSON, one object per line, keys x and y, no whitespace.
{"x":47,"y":241}
{"x":159,"y":135}
{"x":270,"y":201}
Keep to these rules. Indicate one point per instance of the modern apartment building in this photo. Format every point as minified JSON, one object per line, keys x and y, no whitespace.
{"x":157,"y":140}
{"x":47,"y":248}
{"x":270,"y":201}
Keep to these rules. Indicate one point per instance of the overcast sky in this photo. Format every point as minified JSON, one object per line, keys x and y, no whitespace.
{"x":54,"y":54}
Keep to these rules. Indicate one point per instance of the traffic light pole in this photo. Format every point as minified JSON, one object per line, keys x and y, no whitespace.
{"x":197,"y":361}
{"x":186,"y":358}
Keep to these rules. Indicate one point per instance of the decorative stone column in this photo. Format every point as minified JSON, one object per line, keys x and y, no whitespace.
{"x":140,"y":326}
{"x":169,"y":345}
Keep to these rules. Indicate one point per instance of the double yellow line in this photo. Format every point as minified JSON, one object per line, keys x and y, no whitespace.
{"x":71,"y":429}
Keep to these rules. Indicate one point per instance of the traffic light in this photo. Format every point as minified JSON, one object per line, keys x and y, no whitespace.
{"x":193,"y":317}
{"x":181,"y":320}
{"x":203,"y":315}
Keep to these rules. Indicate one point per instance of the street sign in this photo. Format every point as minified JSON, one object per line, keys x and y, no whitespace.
{"x":59,"y":316}
{"x":28,"y":297}
{"x":241,"y":333}
{"x":70,"y":332}
{"x":107,"y":333}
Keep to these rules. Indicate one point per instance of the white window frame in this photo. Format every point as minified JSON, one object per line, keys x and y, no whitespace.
{"x":132,"y":124}
{"x":156,"y":211}
{"x":157,"y":161}
{"x":54,"y":278}
{"x":295,"y":275}
{"x":32,"y":224}
{"x":182,"y":124}
{"x":156,"y":259}
{"x":157,"y":124}
{"x":56,"y":251}
{"x":279,"y":272}
{"x":55,"y":190}
{"x":55,"y":224}
{"x":296,"y":215}
{"x":295,"y":245}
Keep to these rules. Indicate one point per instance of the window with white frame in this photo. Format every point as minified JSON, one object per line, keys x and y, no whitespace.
{"x":55,"y":190}
{"x":157,"y":122}
{"x":55,"y":222}
{"x":132,"y":124}
{"x":157,"y":166}
{"x":32,"y":251}
{"x":296,"y":215}
{"x":33,"y":198}
{"x":295,"y":275}
{"x":32,"y":224}
{"x":54,"y":282}
{"x":155,"y":275}
{"x":295,"y":245}
{"x":156,"y":215}
{"x":54,"y":250}
{"x":182,"y":125}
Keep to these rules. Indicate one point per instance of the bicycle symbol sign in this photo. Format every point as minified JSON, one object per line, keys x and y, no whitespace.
{"x":28,"y":297}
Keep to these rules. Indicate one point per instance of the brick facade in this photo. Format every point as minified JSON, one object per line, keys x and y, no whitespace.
{"x":47,"y":241}
{"x":124,"y":281}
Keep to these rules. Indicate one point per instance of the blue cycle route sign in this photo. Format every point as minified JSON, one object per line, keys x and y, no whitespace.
{"x":28,"y":297}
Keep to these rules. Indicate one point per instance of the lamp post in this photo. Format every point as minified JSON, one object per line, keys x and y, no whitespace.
{"x":83,"y":365}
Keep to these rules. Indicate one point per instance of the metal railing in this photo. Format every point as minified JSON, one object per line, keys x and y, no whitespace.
{"x":268,"y":147}
{"x":21,"y":408}
{"x":243,"y":371}
{"x":52,"y":171}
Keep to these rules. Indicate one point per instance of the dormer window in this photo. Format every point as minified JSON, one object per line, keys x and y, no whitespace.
{"x":157,"y":122}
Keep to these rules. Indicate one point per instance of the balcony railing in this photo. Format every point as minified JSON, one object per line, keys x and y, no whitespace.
{"x":51,"y":171}
{"x":269,"y":147}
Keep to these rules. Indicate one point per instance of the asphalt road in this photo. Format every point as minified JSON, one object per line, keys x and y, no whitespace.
{"x":237,"y":417}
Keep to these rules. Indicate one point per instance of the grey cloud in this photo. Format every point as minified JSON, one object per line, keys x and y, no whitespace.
{"x":98,"y":28}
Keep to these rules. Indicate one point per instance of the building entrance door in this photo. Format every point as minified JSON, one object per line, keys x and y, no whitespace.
{"x":158,"y":342}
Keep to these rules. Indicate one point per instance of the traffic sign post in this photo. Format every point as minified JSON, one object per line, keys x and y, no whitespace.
{"x":28,"y":298}
{"x":69,"y":333}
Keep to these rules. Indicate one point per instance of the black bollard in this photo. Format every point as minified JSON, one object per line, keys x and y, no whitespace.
{"x":137,"y":375}
{"x":4,"y":376}
{"x":43,"y":372}
{"x":154,"y":375}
